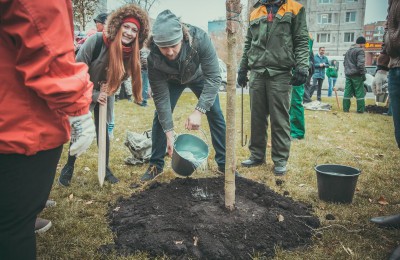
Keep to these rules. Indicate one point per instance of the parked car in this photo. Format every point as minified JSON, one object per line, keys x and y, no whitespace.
{"x":371,"y":70}
{"x":224,"y":75}
{"x":368,"y":82}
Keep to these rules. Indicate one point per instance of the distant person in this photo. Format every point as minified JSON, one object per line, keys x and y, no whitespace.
{"x":332,"y":74}
{"x":276,"y":54}
{"x":320,"y":63}
{"x":354,"y":69}
{"x":126,"y":30}
{"x":45,"y":98}
{"x":99,"y":21}
{"x":182,"y":56}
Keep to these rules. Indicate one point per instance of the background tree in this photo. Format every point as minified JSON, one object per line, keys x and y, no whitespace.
{"x":83,"y":11}
{"x":145,"y":4}
{"x":233,"y":12}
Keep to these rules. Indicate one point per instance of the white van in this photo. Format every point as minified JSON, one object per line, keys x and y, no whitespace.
{"x":341,"y":80}
{"x":224,"y":74}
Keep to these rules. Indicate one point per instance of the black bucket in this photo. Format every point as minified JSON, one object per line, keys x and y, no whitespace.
{"x":188,"y":143}
{"x":336,"y":183}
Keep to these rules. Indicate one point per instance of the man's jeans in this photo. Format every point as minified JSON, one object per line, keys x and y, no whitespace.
{"x":145,"y":86}
{"x":215,"y":119}
{"x":394,"y":92}
{"x":331,"y":85}
{"x":317,"y":84}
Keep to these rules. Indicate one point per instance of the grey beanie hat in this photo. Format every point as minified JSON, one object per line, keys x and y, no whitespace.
{"x":167,"y":29}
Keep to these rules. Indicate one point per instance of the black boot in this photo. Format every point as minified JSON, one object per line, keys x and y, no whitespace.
{"x":66,"y":173}
{"x":130,"y":98}
{"x":110,"y":176}
{"x":387,"y":221}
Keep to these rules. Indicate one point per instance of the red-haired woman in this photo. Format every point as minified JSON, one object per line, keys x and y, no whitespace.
{"x":126,"y":30}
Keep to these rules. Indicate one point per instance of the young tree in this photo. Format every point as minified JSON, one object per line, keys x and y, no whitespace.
{"x":233,"y":11}
{"x":83,"y":11}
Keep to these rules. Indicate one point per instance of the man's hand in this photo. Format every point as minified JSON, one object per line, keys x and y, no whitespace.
{"x":242,"y":77}
{"x":194,"y":121}
{"x":299,"y":77}
{"x":170,"y":143}
{"x":379,"y":79}
{"x":82,"y":133}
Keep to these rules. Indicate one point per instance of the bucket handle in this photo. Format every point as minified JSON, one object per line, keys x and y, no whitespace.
{"x":344,"y":150}
{"x":201,"y":130}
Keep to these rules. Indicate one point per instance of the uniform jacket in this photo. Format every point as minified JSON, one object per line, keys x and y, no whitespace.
{"x":197,"y":61}
{"x":40,"y":82}
{"x":354,"y":61}
{"x":319,"y":72}
{"x":390,"y":56}
{"x":284,"y":47}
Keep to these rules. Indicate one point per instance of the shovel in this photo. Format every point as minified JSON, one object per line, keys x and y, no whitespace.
{"x":244,"y":140}
{"x":102,"y":143}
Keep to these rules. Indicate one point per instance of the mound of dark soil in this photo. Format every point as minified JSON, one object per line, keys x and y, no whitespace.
{"x":374,"y":109}
{"x":187,"y":219}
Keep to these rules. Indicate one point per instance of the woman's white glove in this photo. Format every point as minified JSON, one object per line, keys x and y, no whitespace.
{"x":82,"y":133}
{"x":379,"y":79}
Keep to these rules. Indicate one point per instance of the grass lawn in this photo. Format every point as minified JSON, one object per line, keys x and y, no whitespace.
{"x":367,"y":140}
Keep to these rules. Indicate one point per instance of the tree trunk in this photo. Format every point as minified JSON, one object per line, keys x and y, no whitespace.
{"x":233,"y":10}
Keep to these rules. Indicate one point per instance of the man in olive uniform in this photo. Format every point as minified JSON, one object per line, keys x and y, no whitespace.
{"x":276,"y":43}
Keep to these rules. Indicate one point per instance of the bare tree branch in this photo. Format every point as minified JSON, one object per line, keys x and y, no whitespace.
{"x":83,"y":11}
{"x":145,"y":4}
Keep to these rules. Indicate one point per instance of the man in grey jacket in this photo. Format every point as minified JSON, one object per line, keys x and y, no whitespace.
{"x":354,"y":69}
{"x":182,"y":56}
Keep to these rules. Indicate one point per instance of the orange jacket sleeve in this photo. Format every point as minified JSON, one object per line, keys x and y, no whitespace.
{"x":43,"y":36}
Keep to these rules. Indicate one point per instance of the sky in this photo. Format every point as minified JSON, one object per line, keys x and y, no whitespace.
{"x":199,"y":12}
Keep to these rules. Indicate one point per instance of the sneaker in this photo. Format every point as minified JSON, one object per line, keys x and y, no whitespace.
{"x":50,"y":203}
{"x":151,"y":173}
{"x":110,"y":176}
{"x":221,"y":170}
{"x":42,"y":225}
{"x":279,"y":170}
{"x":66,"y":175}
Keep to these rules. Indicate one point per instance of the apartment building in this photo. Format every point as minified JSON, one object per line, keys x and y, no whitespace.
{"x":334,"y":24}
{"x":374,"y":35}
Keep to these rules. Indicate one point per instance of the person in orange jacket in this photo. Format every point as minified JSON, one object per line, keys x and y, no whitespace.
{"x":45,"y":98}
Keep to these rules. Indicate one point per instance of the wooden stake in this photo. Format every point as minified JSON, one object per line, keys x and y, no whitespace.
{"x":337,"y":99}
{"x":102,"y":143}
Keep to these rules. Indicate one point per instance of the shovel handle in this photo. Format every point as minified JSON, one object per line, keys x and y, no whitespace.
{"x":244,"y":140}
{"x":337,"y":99}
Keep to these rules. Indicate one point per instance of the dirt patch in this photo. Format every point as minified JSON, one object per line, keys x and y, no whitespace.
{"x":186,"y":218}
{"x":374,"y":109}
